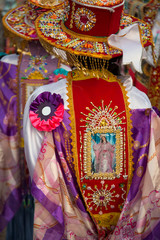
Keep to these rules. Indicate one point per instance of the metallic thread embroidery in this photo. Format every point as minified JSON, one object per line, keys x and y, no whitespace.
{"x":84,"y":19}
{"x":103,"y":138}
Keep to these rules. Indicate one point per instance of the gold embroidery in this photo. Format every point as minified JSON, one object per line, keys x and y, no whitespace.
{"x":96,"y":174}
{"x":107,"y":220}
{"x":14,"y":35}
{"x":106,"y":75}
{"x":140,"y":171}
{"x":157,"y":142}
{"x":40,"y":226}
{"x":102,"y":197}
{"x":145,"y":145}
{"x":142,"y":156}
{"x":4,"y":74}
{"x":35,"y":75}
{"x":151,"y":158}
{"x":51,"y":145}
{"x":47,"y":4}
{"x":2,"y":98}
{"x":57,"y":136}
{"x":72,"y":14}
{"x":77,"y":196}
{"x":65,"y":192}
{"x":84,"y":36}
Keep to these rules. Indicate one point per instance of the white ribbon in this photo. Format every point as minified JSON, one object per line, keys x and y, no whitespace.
{"x":128,"y":40}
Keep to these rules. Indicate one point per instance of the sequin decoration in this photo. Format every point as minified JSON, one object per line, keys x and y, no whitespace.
{"x":52,"y":31}
{"x":50,"y":27}
{"x":37,"y":67}
{"x":125,"y":21}
{"x":103,"y":139}
{"x":102,"y":197}
{"x":101,"y":144}
{"x":47,"y":3}
{"x":17,"y":22}
{"x":84,"y":19}
{"x":101,"y":2}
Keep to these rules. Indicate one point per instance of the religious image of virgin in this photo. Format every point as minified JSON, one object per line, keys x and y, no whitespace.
{"x":104,"y":152}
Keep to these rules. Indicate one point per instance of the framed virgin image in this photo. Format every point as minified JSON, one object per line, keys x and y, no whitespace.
{"x":103,"y":152}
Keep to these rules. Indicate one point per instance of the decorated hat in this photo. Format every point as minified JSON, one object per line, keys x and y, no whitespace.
{"x":48,"y":4}
{"x":98,"y":29}
{"x":19,"y":23}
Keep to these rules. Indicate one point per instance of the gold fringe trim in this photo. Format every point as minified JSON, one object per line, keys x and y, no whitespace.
{"x":18,"y":100}
{"x":72,"y":123}
{"x":48,"y":45}
{"x":46,"y":42}
{"x":105,"y":220}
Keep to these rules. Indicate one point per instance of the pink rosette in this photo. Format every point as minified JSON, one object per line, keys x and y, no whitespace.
{"x":46,"y":111}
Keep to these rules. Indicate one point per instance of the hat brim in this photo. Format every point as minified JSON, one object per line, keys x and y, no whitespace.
{"x":15,"y":23}
{"x":53,"y":33}
{"x":49,"y":6}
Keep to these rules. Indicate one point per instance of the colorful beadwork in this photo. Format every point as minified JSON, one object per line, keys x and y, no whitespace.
{"x":84,"y":19}
{"x":17,"y":22}
{"x":37,"y":66}
{"x":50,"y":27}
{"x":103,"y":123}
{"x":47,"y":3}
{"x":52,"y":31}
{"x":103,"y":197}
{"x":105,"y":3}
{"x":101,"y":136}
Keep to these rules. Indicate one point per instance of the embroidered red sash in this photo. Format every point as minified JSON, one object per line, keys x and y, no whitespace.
{"x":101,"y":139}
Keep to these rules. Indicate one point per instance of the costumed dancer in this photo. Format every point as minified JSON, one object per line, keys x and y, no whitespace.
{"x":62,"y":120}
{"x":20,"y":75}
{"x":148,"y":81}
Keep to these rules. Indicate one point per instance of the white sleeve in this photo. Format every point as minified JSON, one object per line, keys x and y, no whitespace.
{"x":32,"y":137}
{"x":137,"y":99}
{"x":11,"y":59}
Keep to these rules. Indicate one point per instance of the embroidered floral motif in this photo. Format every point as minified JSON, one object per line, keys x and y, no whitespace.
{"x":37,"y":66}
{"x":46,"y":111}
{"x":84,"y":19}
{"x":129,"y":225}
{"x":43,"y":149}
{"x":101,"y":197}
{"x":103,"y":159}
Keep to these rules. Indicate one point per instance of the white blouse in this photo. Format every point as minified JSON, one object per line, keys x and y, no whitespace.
{"x":34,"y":138}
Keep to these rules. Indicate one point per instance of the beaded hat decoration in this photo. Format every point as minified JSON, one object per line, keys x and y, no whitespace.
{"x":48,"y":4}
{"x":19,"y":23}
{"x":87,"y":27}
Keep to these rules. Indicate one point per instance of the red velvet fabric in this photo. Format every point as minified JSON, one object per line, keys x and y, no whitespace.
{"x":107,"y":22}
{"x":137,"y":83}
{"x":95,"y":90}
